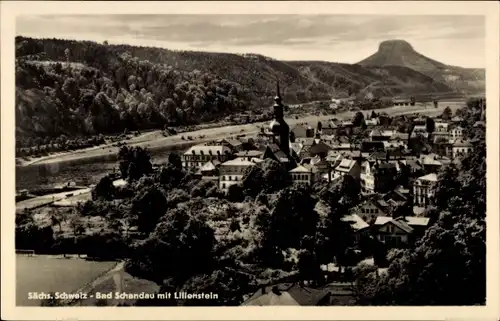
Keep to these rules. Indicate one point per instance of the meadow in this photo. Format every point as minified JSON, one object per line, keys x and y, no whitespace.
{"x":46,"y":273}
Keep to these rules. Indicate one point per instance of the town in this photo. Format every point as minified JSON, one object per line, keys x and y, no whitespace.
{"x":349,"y":191}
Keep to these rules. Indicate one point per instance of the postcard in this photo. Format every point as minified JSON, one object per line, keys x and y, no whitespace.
{"x":250,"y":160}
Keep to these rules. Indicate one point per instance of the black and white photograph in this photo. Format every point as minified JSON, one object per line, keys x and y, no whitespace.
{"x":249,"y":159}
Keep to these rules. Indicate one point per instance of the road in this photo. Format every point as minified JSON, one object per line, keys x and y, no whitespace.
{"x":40,"y":201}
{"x":44,"y":200}
{"x":155,"y":139}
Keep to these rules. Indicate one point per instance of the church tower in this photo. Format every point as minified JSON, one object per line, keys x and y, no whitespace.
{"x":278,"y":126}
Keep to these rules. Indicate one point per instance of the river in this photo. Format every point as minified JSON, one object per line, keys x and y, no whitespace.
{"x":81,"y":171}
{"x":86,"y":171}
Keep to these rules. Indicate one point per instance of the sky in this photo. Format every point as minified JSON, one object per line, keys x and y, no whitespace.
{"x":451,"y":39}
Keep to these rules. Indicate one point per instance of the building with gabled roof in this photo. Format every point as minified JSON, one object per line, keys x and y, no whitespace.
{"x":400,"y":231}
{"x":358,"y":224}
{"x":304,"y":174}
{"x":461,"y":148}
{"x":419,"y":130}
{"x":347,"y":167}
{"x":235,"y":144}
{"x":209,"y":171}
{"x":370,"y":208}
{"x":423,"y":189}
{"x":232,"y":172}
{"x":456,"y":132}
{"x":198,"y":155}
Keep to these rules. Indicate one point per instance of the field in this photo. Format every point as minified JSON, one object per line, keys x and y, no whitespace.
{"x":54,"y":274}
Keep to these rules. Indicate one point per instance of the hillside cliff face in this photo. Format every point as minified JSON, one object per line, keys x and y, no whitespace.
{"x":401,"y":53}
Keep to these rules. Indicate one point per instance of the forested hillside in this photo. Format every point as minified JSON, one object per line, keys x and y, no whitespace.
{"x":82,"y":88}
{"x":381,"y":82}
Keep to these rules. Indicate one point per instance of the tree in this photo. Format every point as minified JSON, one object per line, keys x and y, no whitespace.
{"x":350,"y":190}
{"x":447,"y":186}
{"x":292,"y":219}
{"x":335,"y":234}
{"x":252,"y":181}
{"x":447,"y":114}
{"x":229,"y":285}
{"x":135,"y":162}
{"x":309,"y":267}
{"x":149,"y":205}
{"x":430,"y":125}
{"x":275,"y":176}
{"x":104,"y":189}
{"x":56,"y":219}
{"x":235,"y":193}
{"x":319,"y":127}
{"x":76,"y":225}
{"x":358,"y":119}
{"x":184,"y":239}
{"x":170,"y":176}
{"x":175,"y":160}
{"x":447,"y":266}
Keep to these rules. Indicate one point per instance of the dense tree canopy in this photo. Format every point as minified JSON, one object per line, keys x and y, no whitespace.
{"x":447,"y":266}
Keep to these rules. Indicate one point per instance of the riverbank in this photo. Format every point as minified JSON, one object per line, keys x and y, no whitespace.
{"x":155,"y":139}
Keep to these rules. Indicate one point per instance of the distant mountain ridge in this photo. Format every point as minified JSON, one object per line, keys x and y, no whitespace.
{"x":302,"y":80}
{"x":401,"y":53}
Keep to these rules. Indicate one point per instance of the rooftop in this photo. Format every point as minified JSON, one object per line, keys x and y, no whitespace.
{"x":462,"y":144}
{"x":429,"y":177}
{"x":356,"y":221}
{"x":300,"y":169}
{"x":238,"y":162}
{"x":208,"y":166}
{"x":345,"y":165}
{"x":207,"y":150}
{"x":286,"y":294}
{"x":382,"y":220}
{"x":249,"y":153}
{"x":415,"y":220}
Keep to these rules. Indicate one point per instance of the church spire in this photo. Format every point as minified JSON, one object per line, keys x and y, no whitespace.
{"x":278,"y":126}
{"x":277,"y":99}
{"x":278,"y":106}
